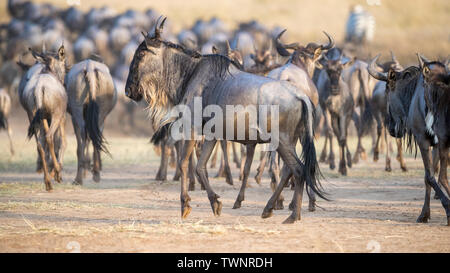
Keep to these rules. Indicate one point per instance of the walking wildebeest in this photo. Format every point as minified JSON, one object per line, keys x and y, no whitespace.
{"x":43,"y":96}
{"x":378,"y":104}
{"x":5,"y":108}
{"x":335,"y":97}
{"x":437,"y":97}
{"x":166,"y":75}
{"x":407,"y":110}
{"x":92,"y":96}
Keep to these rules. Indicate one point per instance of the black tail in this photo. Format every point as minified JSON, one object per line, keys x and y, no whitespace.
{"x":35,"y":123}
{"x":91,"y":114}
{"x":160,"y":135}
{"x":3,"y":121}
{"x":312,"y":172}
{"x":367,"y":119}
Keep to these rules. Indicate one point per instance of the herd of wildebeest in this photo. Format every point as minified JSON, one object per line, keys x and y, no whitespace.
{"x":56,"y":61}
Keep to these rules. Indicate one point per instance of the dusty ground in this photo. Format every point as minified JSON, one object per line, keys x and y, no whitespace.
{"x":130,"y":212}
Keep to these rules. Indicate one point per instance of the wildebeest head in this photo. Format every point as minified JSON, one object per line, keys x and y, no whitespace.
{"x":436,"y":79}
{"x":54,"y":62}
{"x":400,"y":87}
{"x":308,"y":55}
{"x":158,"y":73}
{"x":334,"y":69}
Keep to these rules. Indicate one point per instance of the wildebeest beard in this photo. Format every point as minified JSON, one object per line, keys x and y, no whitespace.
{"x":164,"y":91}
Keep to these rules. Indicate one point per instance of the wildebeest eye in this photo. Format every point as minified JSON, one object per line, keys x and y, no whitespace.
{"x":141,"y":54}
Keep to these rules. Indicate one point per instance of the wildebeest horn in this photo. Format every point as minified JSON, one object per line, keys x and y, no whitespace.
{"x":394,"y":59}
{"x":228,"y":48}
{"x":282,"y":49}
{"x":159,"y":27}
{"x":214,"y":50}
{"x":422,"y":60}
{"x":330,"y":44}
{"x":374,"y":72}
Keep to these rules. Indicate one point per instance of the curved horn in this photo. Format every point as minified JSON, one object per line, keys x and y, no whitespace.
{"x":228,"y":48}
{"x":422,"y":60}
{"x":330,"y":44}
{"x":157,"y":33}
{"x":374,"y":72}
{"x":280,"y":47}
{"x":394,"y":59}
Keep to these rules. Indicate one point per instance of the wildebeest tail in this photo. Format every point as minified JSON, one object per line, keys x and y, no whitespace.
{"x":91,"y":112}
{"x":35,"y":123}
{"x":312,"y":172}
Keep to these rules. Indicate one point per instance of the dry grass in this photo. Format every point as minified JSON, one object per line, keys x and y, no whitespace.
{"x":405,"y":26}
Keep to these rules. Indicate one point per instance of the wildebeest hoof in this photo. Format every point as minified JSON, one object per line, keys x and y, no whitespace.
{"x":332,"y":165}
{"x":96,"y":176}
{"x":404,"y":169}
{"x":216,"y":206}
{"x":77,"y":183}
{"x":388,"y":168}
{"x":191,"y":186}
{"x":185,"y":211}
{"x":423,"y":218}
{"x":258,"y":179}
{"x":375,"y":156}
{"x":237,"y":204}
{"x":436,"y":196}
{"x":448,"y":221}
{"x":355,"y":159}
{"x":312,"y":206}
{"x":279,"y":204}
{"x":58,"y":177}
{"x":229,"y":181}
{"x":322,"y":158}
{"x":290,"y":220}
{"x":267,"y":212}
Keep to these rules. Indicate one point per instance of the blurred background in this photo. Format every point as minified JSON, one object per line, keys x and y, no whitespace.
{"x":403,"y":26}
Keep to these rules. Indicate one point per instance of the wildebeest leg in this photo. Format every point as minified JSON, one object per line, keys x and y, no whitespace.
{"x":357,"y":120}
{"x":337,"y":123}
{"x":400,"y":155}
{"x":49,"y":137}
{"x":62,"y":131}
{"x":87,"y":155}
{"x":9,"y":132}
{"x":178,"y":148}
{"x":96,"y":166}
{"x":161,"y":175}
{"x":214,"y":156}
{"x":191,"y":173}
{"x":173,"y":161}
{"x":276,"y":197}
{"x":331,"y":155}
{"x":262,"y":164}
{"x":287,"y":153}
{"x":380,"y":129}
{"x":207,"y":148}
{"x":274,"y":170}
{"x":78,"y":127}
{"x":387,"y":140}
{"x":348,"y":155}
{"x":236,"y":158}
{"x":443,"y":156}
{"x":188,"y":148}
{"x":48,"y":184}
{"x":429,"y":179}
{"x":228,"y":176}
{"x":221,"y":171}
{"x":323,"y":154}
{"x":248,"y":164}
{"x":243,"y":162}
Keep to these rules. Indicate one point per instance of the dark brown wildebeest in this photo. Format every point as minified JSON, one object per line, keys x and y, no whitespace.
{"x":43,"y":96}
{"x":437,"y":97}
{"x":5,"y":108}
{"x":407,"y":110}
{"x":378,"y":104}
{"x":166,"y":75}
{"x":92,"y":96}
{"x":335,"y":97}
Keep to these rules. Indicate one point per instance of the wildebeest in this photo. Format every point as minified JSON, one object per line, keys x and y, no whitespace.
{"x":378,"y":104}
{"x":335,"y":97}
{"x":407,"y":113}
{"x":166,"y":75}
{"x":44,"y":98}
{"x":92,"y":96}
{"x":437,"y":97}
{"x":5,"y":108}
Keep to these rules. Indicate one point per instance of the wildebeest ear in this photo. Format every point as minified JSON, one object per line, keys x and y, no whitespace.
{"x":425,"y":70}
{"x":350,"y":62}
{"x":317,"y":52}
{"x":40,"y":58}
{"x":61,"y":53}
